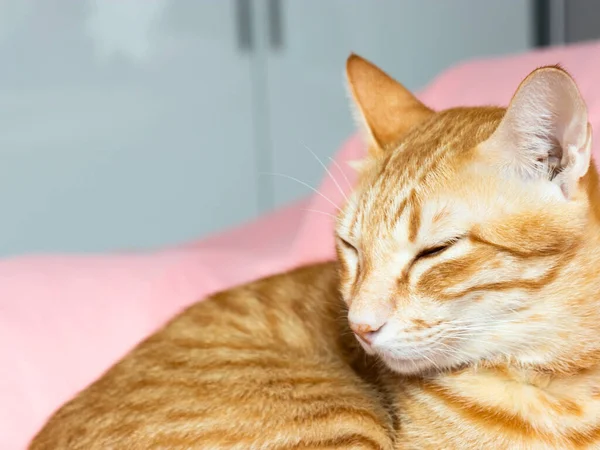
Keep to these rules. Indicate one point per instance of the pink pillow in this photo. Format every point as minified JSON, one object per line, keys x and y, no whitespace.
{"x":65,"y":319}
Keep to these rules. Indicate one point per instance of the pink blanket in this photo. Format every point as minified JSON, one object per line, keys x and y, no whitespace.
{"x":65,"y":319}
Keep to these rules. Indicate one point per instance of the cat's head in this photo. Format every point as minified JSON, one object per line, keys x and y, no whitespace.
{"x":462,"y":241}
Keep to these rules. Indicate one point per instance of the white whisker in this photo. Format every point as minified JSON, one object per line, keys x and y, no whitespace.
{"x":320,"y":212}
{"x":342,"y":172}
{"x":328,"y":172}
{"x":303,"y":184}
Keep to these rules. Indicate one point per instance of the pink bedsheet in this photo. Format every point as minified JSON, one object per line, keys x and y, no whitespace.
{"x":65,"y":319}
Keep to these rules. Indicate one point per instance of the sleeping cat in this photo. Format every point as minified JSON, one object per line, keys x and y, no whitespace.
{"x":463,"y":312}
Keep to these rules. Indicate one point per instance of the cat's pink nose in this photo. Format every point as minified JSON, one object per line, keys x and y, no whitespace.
{"x":365,"y":332}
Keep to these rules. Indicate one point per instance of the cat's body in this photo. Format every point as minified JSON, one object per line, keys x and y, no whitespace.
{"x":468,"y":272}
{"x":268,"y":365}
{"x":295,"y":380}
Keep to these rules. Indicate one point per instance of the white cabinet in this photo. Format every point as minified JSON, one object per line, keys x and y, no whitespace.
{"x":123,"y":124}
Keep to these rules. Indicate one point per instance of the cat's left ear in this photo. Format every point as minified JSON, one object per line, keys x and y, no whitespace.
{"x":545,"y":132}
{"x":385,"y":109}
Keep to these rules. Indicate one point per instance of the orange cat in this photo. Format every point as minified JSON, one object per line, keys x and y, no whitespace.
{"x":468,"y":260}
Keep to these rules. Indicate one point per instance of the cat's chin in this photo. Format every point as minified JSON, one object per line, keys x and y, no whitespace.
{"x":405,"y":366}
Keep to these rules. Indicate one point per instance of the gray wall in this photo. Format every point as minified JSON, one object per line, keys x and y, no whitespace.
{"x":581,"y":19}
{"x":138,"y":123}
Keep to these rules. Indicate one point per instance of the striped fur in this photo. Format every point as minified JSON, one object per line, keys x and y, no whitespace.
{"x":474,"y":270}
{"x":264,"y":366}
{"x":495,"y":337}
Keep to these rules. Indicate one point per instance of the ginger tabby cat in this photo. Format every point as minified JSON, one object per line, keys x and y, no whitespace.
{"x":468,"y":271}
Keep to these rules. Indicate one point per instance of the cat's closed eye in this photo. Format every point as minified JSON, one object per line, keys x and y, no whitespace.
{"x":347,"y":245}
{"x":436,"y":250}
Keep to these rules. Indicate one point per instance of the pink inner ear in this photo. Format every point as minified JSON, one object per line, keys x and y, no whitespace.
{"x":544,"y":128}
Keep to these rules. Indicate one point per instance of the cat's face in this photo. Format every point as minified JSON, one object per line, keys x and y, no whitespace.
{"x":448,"y":245}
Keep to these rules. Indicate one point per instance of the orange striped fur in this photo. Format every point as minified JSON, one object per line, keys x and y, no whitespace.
{"x":467,"y":268}
{"x":475,"y":269}
{"x":268,"y":365}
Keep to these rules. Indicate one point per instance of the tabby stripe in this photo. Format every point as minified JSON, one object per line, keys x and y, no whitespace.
{"x":510,"y":423}
{"x":233,"y":436}
{"x":529,"y":285}
{"x":317,"y":401}
{"x":249,"y":363}
{"x":338,"y":413}
{"x":343,"y":441}
{"x":414,"y":222}
{"x":410,"y":198}
{"x":584,"y":439}
{"x":241,"y":327}
{"x":541,"y":251}
{"x":398,"y":215}
{"x":163,"y":383}
{"x":204,"y":440}
{"x":233,"y":304}
{"x":192,"y":344}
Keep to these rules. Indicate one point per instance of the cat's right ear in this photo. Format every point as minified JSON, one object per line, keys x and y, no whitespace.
{"x":545,"y":133}
{"x":385,"y":108}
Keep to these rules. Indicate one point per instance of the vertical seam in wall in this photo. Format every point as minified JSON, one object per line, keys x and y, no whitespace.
{"x":260,"y":110}
{"x":557,"y":22}
{"x":540,"y":23}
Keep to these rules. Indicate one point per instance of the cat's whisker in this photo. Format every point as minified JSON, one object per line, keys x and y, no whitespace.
{"x":320,"y":212}
{"x":316,"y":191}
{"x":336,"y":164}
{"x":328,"y":172}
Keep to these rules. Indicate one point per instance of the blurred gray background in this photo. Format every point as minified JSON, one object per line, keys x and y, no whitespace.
{"x":132,"y":124}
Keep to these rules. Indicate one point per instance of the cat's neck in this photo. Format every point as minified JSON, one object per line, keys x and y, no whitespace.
{"x":525,"y":403}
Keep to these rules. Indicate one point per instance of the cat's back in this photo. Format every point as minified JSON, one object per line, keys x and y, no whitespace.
{"x":266,"y":365}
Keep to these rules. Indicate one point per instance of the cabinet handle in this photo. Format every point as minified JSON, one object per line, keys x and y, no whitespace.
{"x":243,"y":21}
{"x":275,"y":24}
